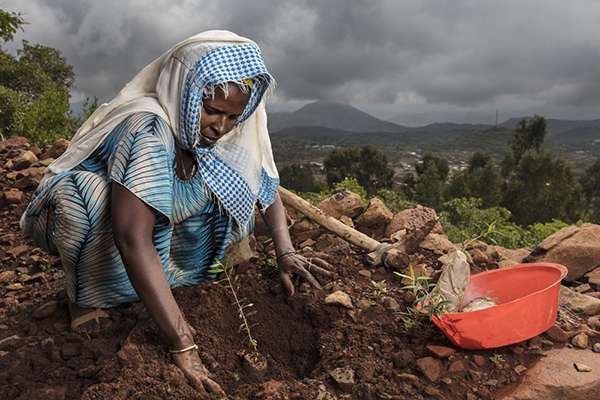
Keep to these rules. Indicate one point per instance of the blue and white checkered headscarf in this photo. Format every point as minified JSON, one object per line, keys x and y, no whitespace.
{"x":239,"y":169}
{"x":227,"y":167}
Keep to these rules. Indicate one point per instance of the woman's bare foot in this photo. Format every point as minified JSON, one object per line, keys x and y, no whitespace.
{"x":88,"y":320}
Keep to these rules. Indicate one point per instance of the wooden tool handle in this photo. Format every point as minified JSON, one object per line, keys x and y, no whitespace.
{"x":344,"y":231}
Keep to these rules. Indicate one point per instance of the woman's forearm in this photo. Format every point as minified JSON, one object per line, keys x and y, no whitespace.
{"x":133,"y":223}
{"x":276,"y":221}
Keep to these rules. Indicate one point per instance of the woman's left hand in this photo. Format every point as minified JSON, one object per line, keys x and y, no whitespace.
{"x":294,"y":263}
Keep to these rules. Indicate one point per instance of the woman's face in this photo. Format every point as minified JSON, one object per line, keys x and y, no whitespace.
{"x":219,"y":114}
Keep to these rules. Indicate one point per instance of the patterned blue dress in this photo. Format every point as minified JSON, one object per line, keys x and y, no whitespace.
{"x":69,"y":215}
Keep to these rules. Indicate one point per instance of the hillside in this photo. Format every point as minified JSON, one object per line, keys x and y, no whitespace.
{"x":328,"y":123}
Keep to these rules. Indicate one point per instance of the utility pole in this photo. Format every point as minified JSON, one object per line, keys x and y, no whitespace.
{"x":496,"y":125}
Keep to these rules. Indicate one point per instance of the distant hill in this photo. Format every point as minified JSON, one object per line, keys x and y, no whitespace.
{"x":327,"y":123}
{"x":333,"y":116}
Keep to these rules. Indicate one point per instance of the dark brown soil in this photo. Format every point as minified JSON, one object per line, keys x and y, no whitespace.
{"x":302,"y":339}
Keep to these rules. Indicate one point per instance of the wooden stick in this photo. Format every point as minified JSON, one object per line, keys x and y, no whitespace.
{"x":344,"y":231}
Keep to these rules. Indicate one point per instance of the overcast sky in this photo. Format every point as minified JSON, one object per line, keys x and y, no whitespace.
{"x":414,"y":62}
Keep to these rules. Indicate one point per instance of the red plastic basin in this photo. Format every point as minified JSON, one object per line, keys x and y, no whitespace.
{"x":526,"y":297}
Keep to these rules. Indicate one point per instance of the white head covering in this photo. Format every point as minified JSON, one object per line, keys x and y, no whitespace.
{"x":244,"y":152}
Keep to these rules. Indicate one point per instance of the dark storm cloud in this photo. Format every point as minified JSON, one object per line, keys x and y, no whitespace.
{"x":461,"y":58}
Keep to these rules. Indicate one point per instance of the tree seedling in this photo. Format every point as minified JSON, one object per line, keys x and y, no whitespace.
{"x":230,"y":281}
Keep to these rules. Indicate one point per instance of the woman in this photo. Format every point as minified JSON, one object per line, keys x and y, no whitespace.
{"x":158,"y":182}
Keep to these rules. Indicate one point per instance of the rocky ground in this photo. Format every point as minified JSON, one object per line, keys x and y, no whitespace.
{"x":348,"y":341}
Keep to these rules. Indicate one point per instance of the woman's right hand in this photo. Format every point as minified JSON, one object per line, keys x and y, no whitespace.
{"x":192,"y":367}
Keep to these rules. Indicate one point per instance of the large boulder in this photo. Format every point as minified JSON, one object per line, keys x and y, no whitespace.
{"x":412,"y":219}
{"x":577,"y":248}
{"x":375,"y":219}
{"x":342,"y":202}
{"x":555,"y":377}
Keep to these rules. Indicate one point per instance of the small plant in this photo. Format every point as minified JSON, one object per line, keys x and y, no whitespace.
{"x":484,"y":234}
{"x":498,"y":360}
{"x":230,"y":282}
{"x":45,"y":266}
{"x":379,"y":289}
{"x":426,"y":301}
{"x":271,"y":263}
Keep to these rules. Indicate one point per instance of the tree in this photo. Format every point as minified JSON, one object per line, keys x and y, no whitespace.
{"x":542,"y":188}
{"x":590,"y":185}
{"x":366,"y":164}
{"x":430,"y":187}
{"x":440,"y":164}
{"x":34,"y":88}
{"x":298,"y":177}
{"x":10,"y":22}
{"x":529,"y":135}
{"x":481,"y":179}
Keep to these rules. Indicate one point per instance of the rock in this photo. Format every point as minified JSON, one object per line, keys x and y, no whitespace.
{"x":11,"y":342}
{"x":479,"y":360}
{"x":391,"y":304}
{"x":596,"y":348}
{"x":580,"y":367}
{"x":364,"y":304}
{"x":412,"y":219}
{"x":575,"y":247}
{"x":329,"y":242}
{"x":366,"y":273}
{"x":9,"y":165}
{"x":342,"y":202}
{"x":403,"y":358}
{"x":456,"y":366}
{"x":7,"y":276}
{"x":45,"y":310}
{"x":438,"y":243}
{"x":554,"y":377}
{"x":412,"y":379}
{"x":307,"y":243}
{"x":18,"y":251}
{"x":430,"y":367}
{"x":507,"y":257}
{"x":46,"y":161}
{"x":594,"y":278}
{"x":579,"y":302}
{"x":344,"y":378}
{"x":16,"y":141}
{"x":339,"y":298}
{"x":519,"y":369}
{"x":15,"y":286}
{"x":595,"y":295}
{"x":557,"y":334}
{"x":583,"y":288}
{"x":478,"y":256}
{"x":56,"y":149}
{"x":375,"y":219}
{"x":24,"y":160}
{"x":347,"y":221}
{"x":594,"y":322}
{"x":69,"y":350}
{"x":13,"y":196}
{"x":254,"y":363}
{"x":440,"y":351}
{"x":580,"y":341}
